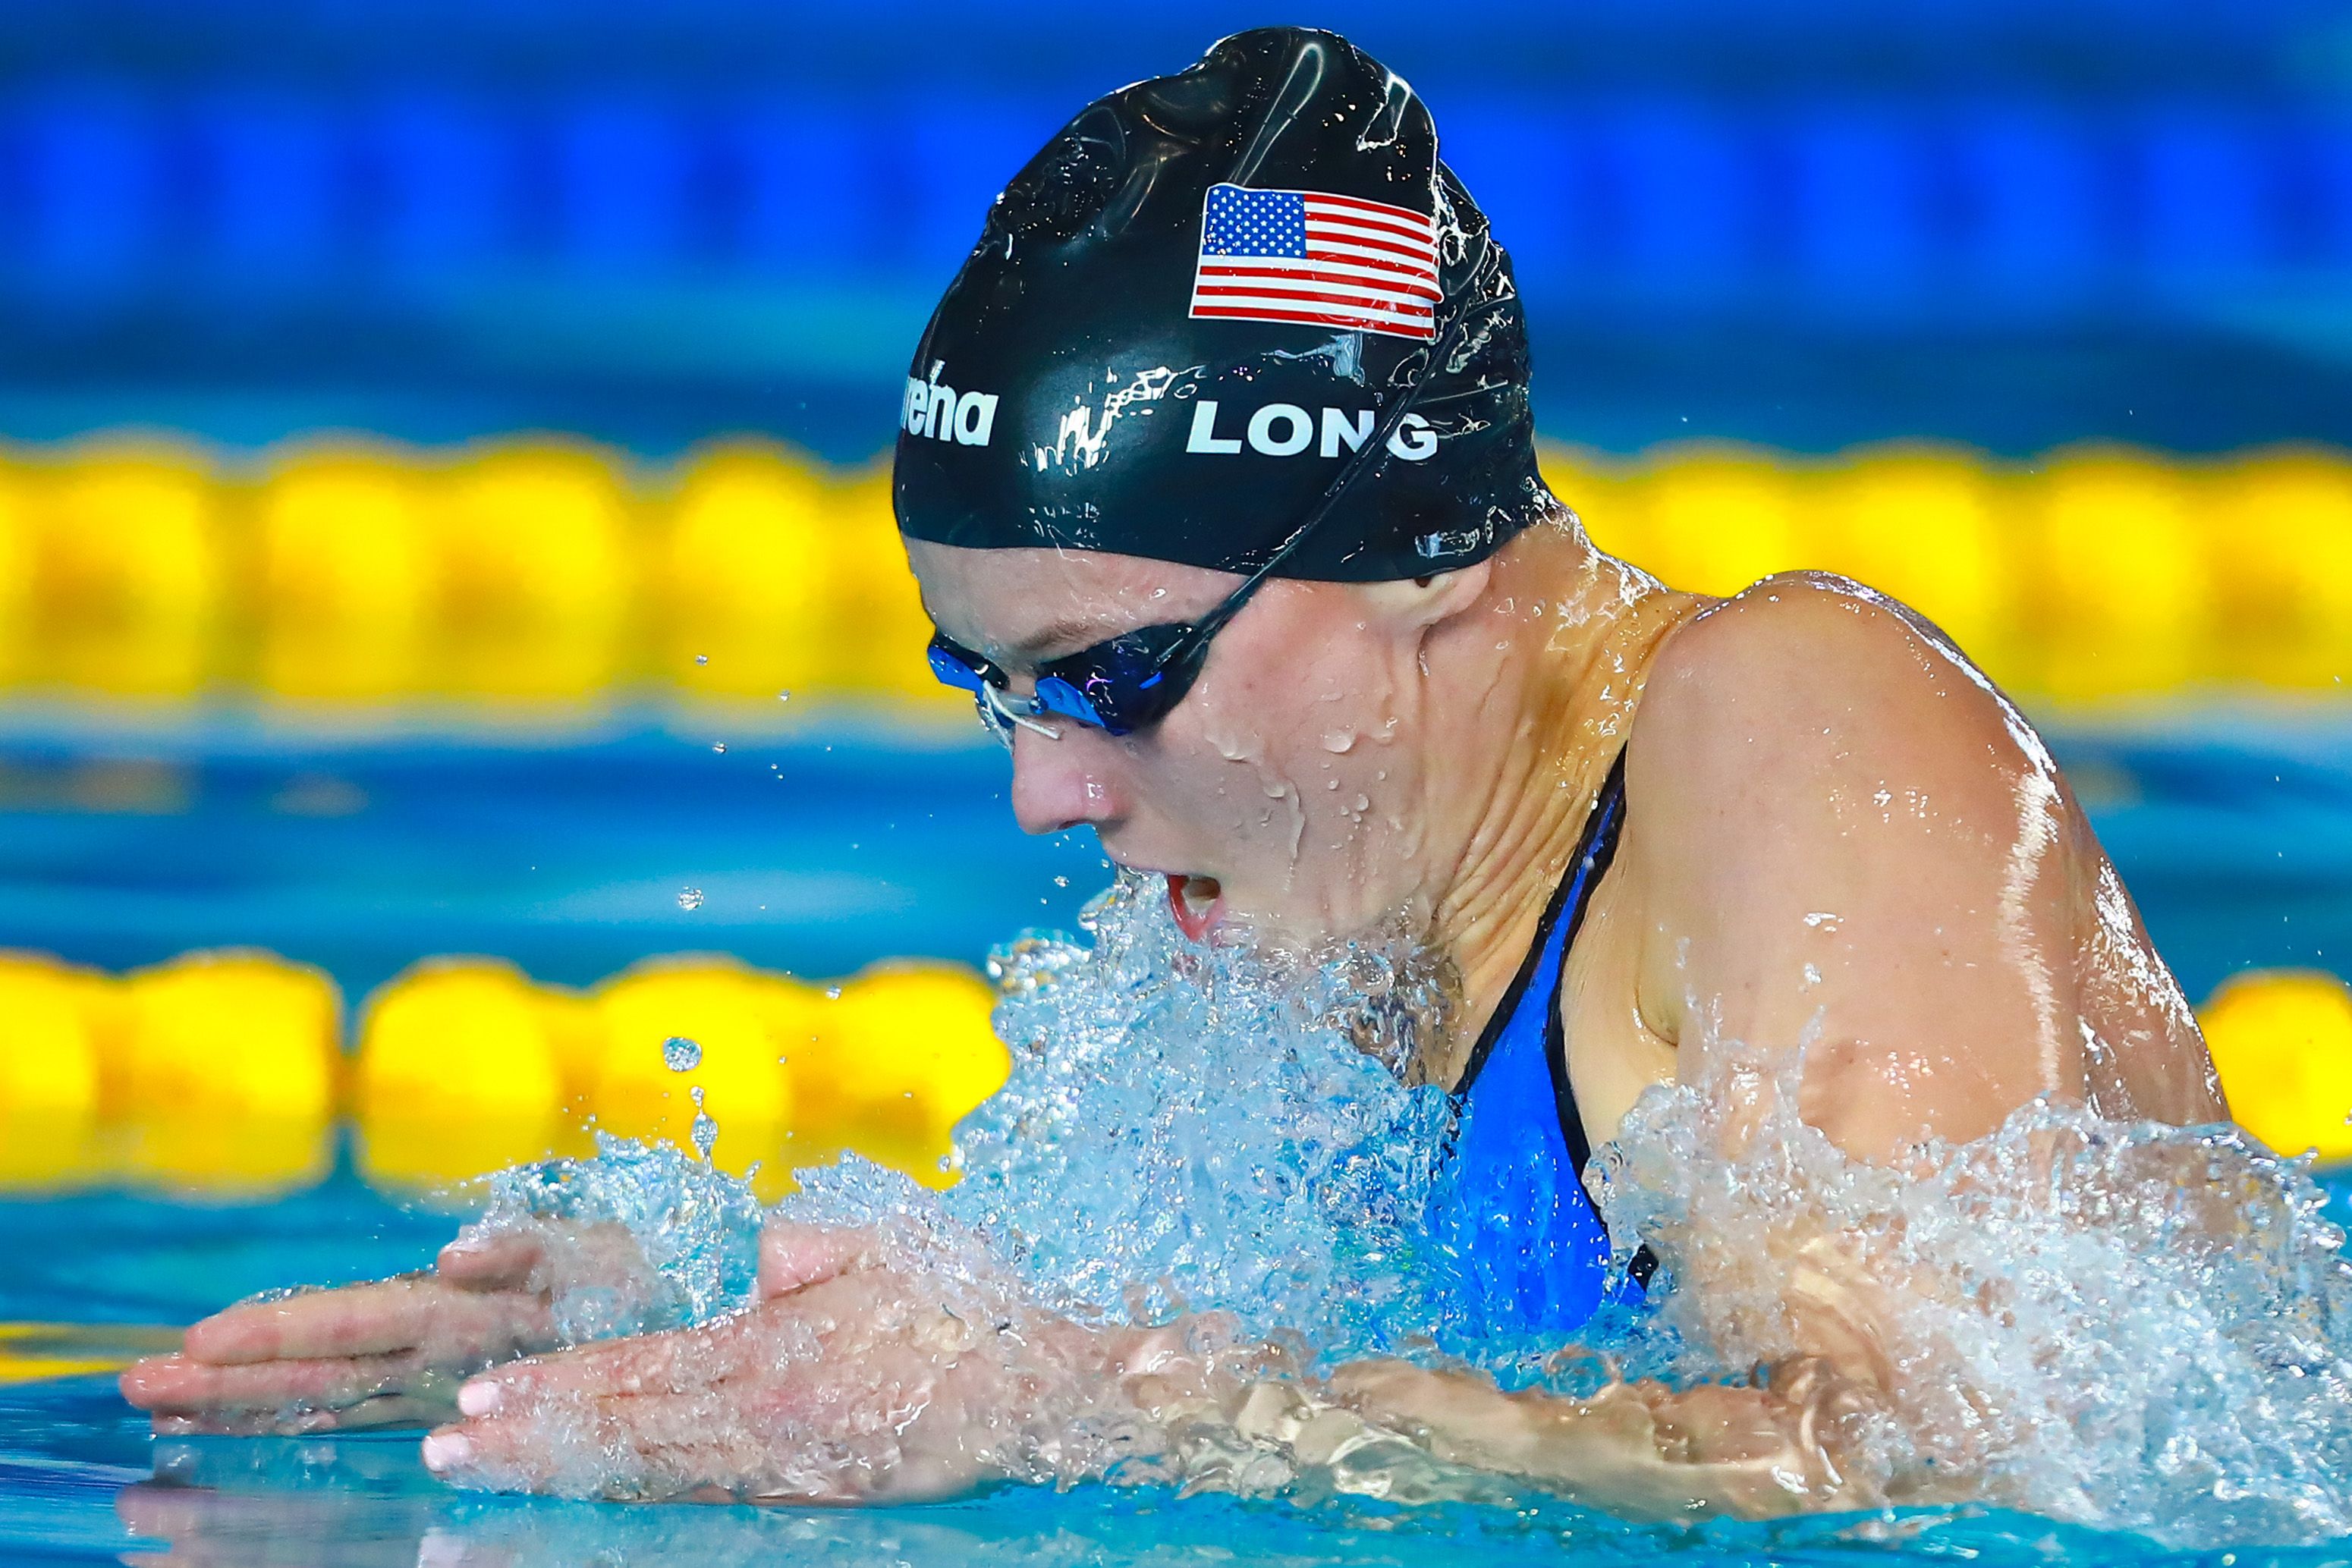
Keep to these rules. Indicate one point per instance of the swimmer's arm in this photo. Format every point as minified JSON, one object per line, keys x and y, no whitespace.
{"x":1638,"y":1449}
{"x":1843,"y":838}
{"x":1846,"y":845}
{"x":1839,"y":837}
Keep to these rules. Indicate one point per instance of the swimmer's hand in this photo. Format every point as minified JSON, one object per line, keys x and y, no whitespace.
{"x":1638,"y":1450}
{"x":390,"y":1354}
{"x":861,"y":1375}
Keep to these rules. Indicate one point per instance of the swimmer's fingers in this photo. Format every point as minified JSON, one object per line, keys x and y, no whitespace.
{"x":485,"y":1261}
{"x":659,"y":1412}
{"x":623,"y":1450}
{"x":380,"y":1412}
{"x":407,"y":1313}
{"x":770,"y":1405}
{"x":696,"y":1447}
{"x":360,"y":1320}
{"x":176,"y":1386}
{"x":672,"y":1363}
{"x":794,"y":1257}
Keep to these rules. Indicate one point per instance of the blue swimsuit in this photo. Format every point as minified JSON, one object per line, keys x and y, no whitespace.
{"x":1531,"y":1252}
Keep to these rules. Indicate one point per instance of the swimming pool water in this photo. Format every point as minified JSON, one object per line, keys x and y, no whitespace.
{"x":2236,"y":838}
{"x":823,"y":845}
{"x":80,"y":1481}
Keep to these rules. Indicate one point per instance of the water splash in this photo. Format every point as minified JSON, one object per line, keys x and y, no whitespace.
{"x":704,"y":1131}
{"x":694,"y":1235}
{"x":2115,"y":1324}
{"x":1198,"y":1130}
{"x":2125,"y":1324}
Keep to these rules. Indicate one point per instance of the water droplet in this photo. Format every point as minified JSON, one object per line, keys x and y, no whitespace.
{"x":1061,"y":881}
{"x":1339,"y":741}
{"x":680,"y":1054}
{"x":690,"y":898}
{"x":784,"y":697}
{"x":720,"y":747}
{"x":702,"y":658}
{"x":705,"y":1129}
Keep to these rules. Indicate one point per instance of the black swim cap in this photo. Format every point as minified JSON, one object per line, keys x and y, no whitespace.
{"x":1198,"y":302}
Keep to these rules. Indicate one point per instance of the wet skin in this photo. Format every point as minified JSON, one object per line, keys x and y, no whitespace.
{"x":1836,"y":832}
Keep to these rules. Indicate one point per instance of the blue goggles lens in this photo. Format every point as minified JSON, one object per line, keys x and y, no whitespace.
{"x":1130,"y":683}
{"x":951,"y":670}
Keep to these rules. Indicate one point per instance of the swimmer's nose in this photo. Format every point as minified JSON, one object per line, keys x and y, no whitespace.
{"x":1054,"y":787}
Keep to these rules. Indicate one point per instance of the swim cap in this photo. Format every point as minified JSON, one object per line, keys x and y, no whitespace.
{"x":1190,"y":310}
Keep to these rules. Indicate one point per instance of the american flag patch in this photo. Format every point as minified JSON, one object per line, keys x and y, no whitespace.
{"x":1306,"y":255}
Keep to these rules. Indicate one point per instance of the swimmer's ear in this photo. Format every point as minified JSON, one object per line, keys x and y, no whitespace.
{"x":1418,"y":603}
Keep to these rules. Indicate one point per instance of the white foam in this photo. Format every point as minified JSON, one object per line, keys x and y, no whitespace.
{"x":2119,"y":1324}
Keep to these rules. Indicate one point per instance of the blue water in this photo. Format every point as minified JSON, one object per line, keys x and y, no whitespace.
{"x":80,"y":1481}
{"x":822,"y":847}
{"x":2236,"y":840}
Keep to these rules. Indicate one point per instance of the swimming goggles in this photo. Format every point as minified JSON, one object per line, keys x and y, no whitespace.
{"x":1134,"y":680}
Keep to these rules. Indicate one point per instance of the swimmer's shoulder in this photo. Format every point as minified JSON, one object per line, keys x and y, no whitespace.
{"x":1809,"y":683}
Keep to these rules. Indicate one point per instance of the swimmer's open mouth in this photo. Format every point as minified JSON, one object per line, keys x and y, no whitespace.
{"x":1196,"y":902}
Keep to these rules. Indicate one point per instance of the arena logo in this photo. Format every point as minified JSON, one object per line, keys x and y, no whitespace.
{"x":932,"y":409}
{"x":1285,"y":430}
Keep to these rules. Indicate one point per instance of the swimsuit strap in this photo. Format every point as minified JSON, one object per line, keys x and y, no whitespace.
{"x":1555,"y":937}
{"x":1511,"y":1208}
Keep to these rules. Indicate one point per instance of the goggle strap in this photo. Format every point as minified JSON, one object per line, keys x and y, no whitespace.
{"x":1005,"y":710}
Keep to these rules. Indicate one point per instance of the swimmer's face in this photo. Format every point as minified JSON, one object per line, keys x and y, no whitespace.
{"x":1285,"y":791}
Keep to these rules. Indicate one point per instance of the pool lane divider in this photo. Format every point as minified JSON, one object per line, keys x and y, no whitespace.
{"x":224,"y":1074}
{"x":335,"y":577}
{"x":37,"y":1351}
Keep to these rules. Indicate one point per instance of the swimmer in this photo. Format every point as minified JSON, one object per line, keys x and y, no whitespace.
{"x":1216,"y":471}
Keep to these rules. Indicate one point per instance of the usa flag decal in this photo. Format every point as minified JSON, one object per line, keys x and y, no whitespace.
{"x":1324,"y":260}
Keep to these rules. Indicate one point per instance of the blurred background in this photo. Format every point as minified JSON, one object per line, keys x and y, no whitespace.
{"x":444,"y":507}
{"x":1808,"y":224}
